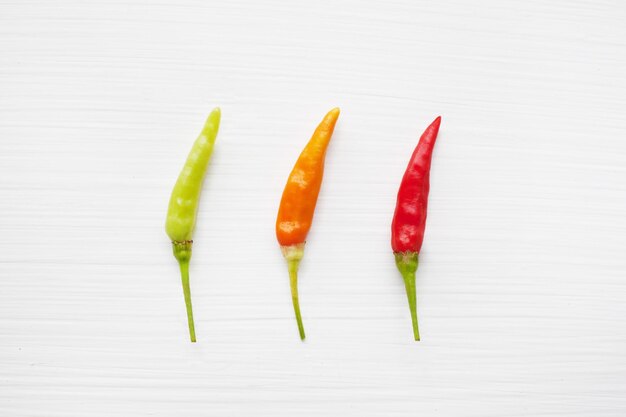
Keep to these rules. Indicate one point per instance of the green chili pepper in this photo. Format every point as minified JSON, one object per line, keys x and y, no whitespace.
{"x":183,"y":208}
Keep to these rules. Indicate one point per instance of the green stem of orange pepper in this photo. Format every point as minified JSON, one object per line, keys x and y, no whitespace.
{"x":293,"y":255}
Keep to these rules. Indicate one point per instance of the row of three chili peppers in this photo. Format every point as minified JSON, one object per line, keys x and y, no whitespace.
{"x":297,"y":207}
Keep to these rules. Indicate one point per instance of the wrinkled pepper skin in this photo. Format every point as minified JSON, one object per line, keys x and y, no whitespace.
{"x":298,"y":202}
{"x":409,"y":220}
{"x":183,"y":207}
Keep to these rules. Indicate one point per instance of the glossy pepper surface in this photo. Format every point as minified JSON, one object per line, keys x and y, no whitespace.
{"x":409,"y":220}
{"x":183,"y":206}
{"x":297,"y":205}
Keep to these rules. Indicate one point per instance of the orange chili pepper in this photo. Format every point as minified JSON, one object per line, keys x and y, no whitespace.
{"x":297,"y":205}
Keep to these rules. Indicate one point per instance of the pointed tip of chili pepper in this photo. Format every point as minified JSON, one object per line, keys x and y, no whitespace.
{"x":215,"y":114}
{"x":324,"y":132}
{"x":212,"y":123}
{"x":332,"y":116}
{"x":436,"y":122}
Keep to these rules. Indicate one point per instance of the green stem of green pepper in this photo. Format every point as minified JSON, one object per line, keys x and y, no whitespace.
{"x":182,"y":253}
{"x":407,"y":263}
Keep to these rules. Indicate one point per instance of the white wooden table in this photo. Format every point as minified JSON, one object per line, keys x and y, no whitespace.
{"x":522,"y":282}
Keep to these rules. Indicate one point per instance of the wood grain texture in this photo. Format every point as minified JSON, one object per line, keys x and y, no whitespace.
{"x":521,"y":287}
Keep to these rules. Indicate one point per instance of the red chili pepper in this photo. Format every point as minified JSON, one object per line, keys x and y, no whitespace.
{"x":409,"y":219}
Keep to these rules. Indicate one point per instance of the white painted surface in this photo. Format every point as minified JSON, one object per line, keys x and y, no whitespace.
{"x":522,"y":292}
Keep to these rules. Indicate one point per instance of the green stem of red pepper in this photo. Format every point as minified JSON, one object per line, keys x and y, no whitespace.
{"x":407,"y":265}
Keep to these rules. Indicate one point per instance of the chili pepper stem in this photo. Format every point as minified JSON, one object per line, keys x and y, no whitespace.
{"x":293,"y":282}
{"x":407,"y":263}
{"x":182,"y":253}
{"x":293,"y":254}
